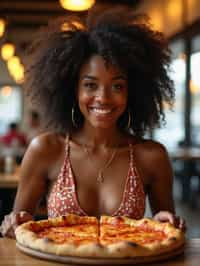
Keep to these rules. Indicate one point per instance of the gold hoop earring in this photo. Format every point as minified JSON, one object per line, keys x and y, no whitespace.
{"x":73,"y":120}
{"x":129,"y":120}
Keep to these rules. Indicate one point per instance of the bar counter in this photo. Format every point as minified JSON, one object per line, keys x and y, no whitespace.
{"x":10,"y":255}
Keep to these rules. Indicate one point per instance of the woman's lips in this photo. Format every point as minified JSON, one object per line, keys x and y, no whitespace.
{"x":101,"y":111}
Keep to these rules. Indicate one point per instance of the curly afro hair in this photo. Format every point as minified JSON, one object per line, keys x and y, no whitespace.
{"x":123,"y":40}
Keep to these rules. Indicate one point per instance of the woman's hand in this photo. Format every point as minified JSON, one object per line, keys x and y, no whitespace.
{"x":165,"y":216}
{"x":12,"y":220}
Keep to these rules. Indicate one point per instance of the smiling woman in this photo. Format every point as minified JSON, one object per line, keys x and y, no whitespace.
{"x":100,"y":87}
{"x":102,"y":93}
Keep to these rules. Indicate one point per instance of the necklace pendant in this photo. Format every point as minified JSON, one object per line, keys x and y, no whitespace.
{"x":100,"y":178}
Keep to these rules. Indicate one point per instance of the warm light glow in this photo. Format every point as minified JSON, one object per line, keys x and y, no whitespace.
{"x":156,"y":20}
{"x":182,"y":56}
{"x":13,"y":63}
{"x":6,"y":91}
{"x":194,"y":88}
{"x":66,"y":26}
{"x":77,"y":5}
{"x":7,"y":51}
{"x":18,"y":74}
{"x":2,"y":26}
{"x":174,"y":9}
{"x":16,"y":69}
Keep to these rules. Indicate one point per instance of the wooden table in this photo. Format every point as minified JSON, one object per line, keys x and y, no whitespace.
{"x":9,"y":180}
{"x":10,"y":255}
{"x":187,"y":158}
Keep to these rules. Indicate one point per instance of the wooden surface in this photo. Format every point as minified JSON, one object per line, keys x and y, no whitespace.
{"x":9,"y":180}
{"x":10,"y":255}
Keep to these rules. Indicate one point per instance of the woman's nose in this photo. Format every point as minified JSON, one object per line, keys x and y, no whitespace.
{"x":103,"y":94}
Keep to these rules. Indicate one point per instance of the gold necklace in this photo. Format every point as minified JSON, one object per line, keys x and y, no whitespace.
{"x":100,"y":176}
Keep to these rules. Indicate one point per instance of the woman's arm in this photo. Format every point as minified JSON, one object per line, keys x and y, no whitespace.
{"x":161,"y":188}
{"x":33,"y":175}
{"x":32,"y":185}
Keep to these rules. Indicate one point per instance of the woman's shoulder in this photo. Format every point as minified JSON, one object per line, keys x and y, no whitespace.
{"x":149,"y":148}
{"x":152,"y":157}
{"x":47,"y":143}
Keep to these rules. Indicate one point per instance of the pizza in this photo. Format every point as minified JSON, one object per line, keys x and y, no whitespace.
{"x":109,"y":237}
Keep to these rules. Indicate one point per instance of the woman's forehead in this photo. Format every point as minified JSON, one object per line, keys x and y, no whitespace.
{"x":97,"y":64}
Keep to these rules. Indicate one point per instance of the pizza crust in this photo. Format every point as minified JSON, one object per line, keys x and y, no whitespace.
{"x":120,"y":249}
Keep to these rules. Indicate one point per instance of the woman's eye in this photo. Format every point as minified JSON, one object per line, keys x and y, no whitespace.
{"x":118,"y":86}
{"x":90,"y":85}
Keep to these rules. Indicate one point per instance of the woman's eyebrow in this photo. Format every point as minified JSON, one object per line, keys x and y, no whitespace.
{"x":89,"y":77}
{"x":95,"y":78}
{"x":119,"y":77}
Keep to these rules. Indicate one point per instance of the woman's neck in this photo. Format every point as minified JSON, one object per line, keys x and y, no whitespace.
{"x":99,"y":138}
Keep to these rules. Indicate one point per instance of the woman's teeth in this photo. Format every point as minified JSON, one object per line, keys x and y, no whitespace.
{"x":101,"y":111}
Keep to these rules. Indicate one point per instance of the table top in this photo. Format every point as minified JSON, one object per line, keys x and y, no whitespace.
{"x":9,"y":180}
{"x":10,"y":255}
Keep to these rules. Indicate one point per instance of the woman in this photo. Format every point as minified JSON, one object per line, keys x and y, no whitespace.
{"x":103,"y":86}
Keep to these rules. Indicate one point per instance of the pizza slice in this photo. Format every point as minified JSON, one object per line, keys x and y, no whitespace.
{"x":67,"y":235}
{"x":125,"y":237}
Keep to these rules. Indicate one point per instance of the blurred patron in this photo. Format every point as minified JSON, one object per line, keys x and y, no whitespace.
{"x":14,"y":142}
{"x":13,"y":137}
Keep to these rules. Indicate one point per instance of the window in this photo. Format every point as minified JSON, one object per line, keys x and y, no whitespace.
{"x":195,"y":90}
{"x":10,"y":106}
{"x":173,"y":132}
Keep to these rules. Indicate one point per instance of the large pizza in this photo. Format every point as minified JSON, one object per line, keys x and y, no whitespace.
{"x":111,"y":237}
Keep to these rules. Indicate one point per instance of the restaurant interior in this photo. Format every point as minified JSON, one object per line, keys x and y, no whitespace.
{"x":179,"y":20}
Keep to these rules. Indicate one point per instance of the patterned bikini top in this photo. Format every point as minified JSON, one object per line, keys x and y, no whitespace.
{"x":63,"y":195}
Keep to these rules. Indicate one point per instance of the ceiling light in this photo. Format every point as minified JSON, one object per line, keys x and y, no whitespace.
{"x":2,"y":26}
{"x":13,"y":63}
{"x":7,"y":51}
{"x":6,"y":91}
{"x":77,"y":5}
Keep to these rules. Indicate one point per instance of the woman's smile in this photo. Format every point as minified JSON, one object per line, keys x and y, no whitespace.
{"x":100,"y":112}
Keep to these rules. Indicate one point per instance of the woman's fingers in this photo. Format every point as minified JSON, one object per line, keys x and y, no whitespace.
{"x":11,"y":222}
{"x":24,"y":217}
{"x":6,"y":226}
{"x":165,"y":216}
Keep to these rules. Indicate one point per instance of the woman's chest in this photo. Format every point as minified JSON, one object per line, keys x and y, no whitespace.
{"x":103,"y":196}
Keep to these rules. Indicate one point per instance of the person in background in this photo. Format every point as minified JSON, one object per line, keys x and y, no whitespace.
{"x":101,"y":86}
{"x":14,"y":143}
{"x":34,"y":125}
{"x":13,"y":137}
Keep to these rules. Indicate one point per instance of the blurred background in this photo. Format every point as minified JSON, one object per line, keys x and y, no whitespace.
{"x":179,"y":20}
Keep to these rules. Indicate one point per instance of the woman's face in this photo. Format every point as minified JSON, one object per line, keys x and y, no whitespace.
{"x":102,"y":93}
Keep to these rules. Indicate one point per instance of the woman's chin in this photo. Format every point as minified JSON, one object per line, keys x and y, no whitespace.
{"x":103,"y":125}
